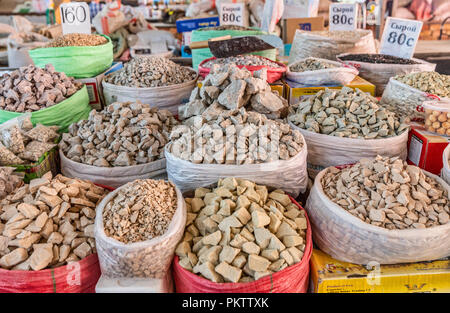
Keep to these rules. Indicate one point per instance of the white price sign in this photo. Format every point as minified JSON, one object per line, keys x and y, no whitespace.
{"x":400,"y":37}
{"x":343,"y":16}
{"x":75,"y":18}
{"x":233,"y":14}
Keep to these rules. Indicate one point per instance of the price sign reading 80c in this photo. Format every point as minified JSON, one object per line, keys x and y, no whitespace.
{"x":75,"y":18}
{"x":400,"y":37}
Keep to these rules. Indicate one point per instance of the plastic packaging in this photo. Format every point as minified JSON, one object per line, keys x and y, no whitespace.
{"x":150,"y":258}
{"x":69,"y":111}
{"x":19,"y":45}
{"x":341,"y":75}
{"x":325,"y":150}
{"x":445,"y":173}
{"x":76,"y":277}
{"x":165,"y":97}
{"x":379,"y":74}
{"x":437,"y":116}
{"x":289,"y":175}
{"x":293,"y":279}
{"x":78,"y":62}
{"x":347,"y":238}
{"x":273,"y":73}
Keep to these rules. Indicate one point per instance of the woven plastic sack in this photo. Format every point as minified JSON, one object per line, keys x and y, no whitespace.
{"x":165,"y":97}
{"x":315,"y":44}
{"x":273,"y":73}
{"x":341,"y":75}
{"x":19,"y":45}
{"x":325,"y":150}
{"x":379,"y":74}
{"x":112,"y":176}
{"x":76,"y":277}
{"x":150,"y":258}
{"x":77,"y":62}
{"x":69,"y":111}
{"x":289,"y":175}
{"x":347,"y":238}
{"x":445,"y":174}
{"x":293,"y":279}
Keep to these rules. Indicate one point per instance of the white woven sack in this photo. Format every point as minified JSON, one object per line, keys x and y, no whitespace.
{"x":379,"y":74}
{"x":165,"y":97}
{"x":290,"y":175}
{"x":150,"y":258}
{"x":112,"y":176}
{"x":445,"y":173}
{"x":341,"y":75}
{"x":325,"y":150}
{"x":347,"y":238}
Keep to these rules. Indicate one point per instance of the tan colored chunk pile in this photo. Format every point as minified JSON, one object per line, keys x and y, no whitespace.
{"x":48,"y":223}
{"x":389,"y":193}
{"x":9,"y":181}
{"x":79,"y":40}
{"x":240,"y":232}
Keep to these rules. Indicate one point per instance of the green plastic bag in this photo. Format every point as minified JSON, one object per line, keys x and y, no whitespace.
{"x":78,"y":62}
{"x":63,"y":114}
{"x":198,"y":55}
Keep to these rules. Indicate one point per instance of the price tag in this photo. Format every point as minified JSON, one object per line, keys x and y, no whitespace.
{"x":75,"y":18}
{"x":233,"y":14}
{"x":400,"y":37}
{"x":343,"y":16}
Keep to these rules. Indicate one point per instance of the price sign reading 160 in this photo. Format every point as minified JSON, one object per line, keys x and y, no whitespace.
{"x":73,"y":15}
{"x":75,"y":18}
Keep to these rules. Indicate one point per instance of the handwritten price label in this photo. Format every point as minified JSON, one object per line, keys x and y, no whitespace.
{"x":232,"y":14}
{"x":75,"y":18}
{"x":343,"y":16}
{"x":400,"y":37}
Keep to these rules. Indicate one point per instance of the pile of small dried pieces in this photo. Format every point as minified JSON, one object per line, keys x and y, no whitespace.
{"x":9,"y":181}
{"x":225,"y":27}
{"x":430,"y":82}
{"x":389,"y":193}
{"x":310,"y":64}
{"x":22,"y":143}
{"x":48,"y":223}
{"x":241,"y":232}
{"x":140,"y":211}
{"x":234,"y":137}
{"x":243,"y":60}
{"x":377,"y":59}
{"x":341,"y":35}
{"x":77,"y":40}
{"x":232,"y":88}
{"x":32,"y":88}
{"x":144,"y":72}
{"x":122,"y":134}
{"x":346,"y":113}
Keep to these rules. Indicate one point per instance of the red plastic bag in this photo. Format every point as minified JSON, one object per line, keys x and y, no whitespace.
{"x":293,"y":279}
{"x":76,"y":277}
{"x":273,"y":73}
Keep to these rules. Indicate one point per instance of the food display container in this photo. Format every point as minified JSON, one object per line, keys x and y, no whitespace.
{"x":437,"y":116}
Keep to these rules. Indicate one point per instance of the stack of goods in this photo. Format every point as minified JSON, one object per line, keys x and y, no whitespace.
{"x":238,"y":231}
{"x":77,"y":40}
{"x":232,"y":88}
{"x":9,"y":181}
{"x":48,"y":223}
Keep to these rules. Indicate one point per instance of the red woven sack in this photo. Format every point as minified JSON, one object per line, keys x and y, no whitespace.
{"x":293,"y":279}
{"x":273,"y":73}
{"x":77,"y":277}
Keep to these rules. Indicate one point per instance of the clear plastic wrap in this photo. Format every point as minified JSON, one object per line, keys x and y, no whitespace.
{"x":347,"y":238}
{"x":150,"y":258}
{"x":445,"y":173}
{"x":289,"y":175}
{"x":325,"y":150}
{"x":340,"y":75}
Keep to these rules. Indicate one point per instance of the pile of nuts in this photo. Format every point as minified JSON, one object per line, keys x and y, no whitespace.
{"x":122,"y":134}
{"x":438,"y":121}
{"x":144,"y":71}
{"x":243,"y":60}
{"x":377,"y":59}
{"x":77,"y":40}
{"x":23,"y":143}
{"x":389,"y":193}
{"x":234,"y":137}
{"x":430,"y":82}
{"x":32,"y":88}
{"x":232,"y":88}
{"x":310,"y":64}
{"x":341,"y":35}
{"x":48,"y":223}
{"x":9,"y":181}
{"x":241,"y":232}
{"x":140,"y":211}
{"x":346,"y":113}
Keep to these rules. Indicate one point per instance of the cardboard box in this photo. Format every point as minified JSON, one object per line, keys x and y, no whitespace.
{"x":190,"y":24}
{"x":332,"y":276}
{"x":94,"y":86}
{"x":297,"y":92}
{"x":290,"y":25}
{"x":425,"y":149}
